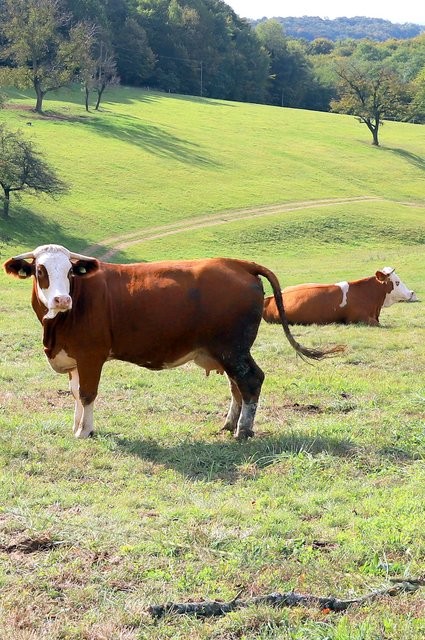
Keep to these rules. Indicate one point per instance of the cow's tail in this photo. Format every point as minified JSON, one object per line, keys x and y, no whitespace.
{"x":304,"y":352}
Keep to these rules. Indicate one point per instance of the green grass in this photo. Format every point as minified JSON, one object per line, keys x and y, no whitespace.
{"x":150,"y":158}
{"x":160,"y":505}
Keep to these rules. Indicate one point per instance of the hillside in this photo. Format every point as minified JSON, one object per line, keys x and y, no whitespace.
{"x":150,"y":158}
{"x":312,"y":27}
{"x":161,"y":505}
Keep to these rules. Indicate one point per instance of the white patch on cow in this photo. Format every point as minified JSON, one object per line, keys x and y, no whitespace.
{"x":344,"y":286}
{"x":62,"y":363}
{"x":246,"y":420}
{"x":400,"y":292}
{"x":56,"y":261}
{"x":232,"y":415}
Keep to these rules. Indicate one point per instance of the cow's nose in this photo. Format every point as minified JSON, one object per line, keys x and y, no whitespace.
{"x":62,"y":302}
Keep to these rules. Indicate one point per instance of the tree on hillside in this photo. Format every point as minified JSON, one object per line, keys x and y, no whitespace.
{"x":203,"y":48}
{"x":419,"y":99}
{"x":290,"y":70}
{"x":105,"y":73}
{"x":134,"y":56}
{"x":372,"y":93}
{"x":23,"y":169}
{"x":44,"y":52}
{"x":97,"y":68}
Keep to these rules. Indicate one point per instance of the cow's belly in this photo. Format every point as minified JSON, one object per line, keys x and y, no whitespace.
{"x":308,"y":315}
{"x":62,"y":362}
{"x":201,"y":357}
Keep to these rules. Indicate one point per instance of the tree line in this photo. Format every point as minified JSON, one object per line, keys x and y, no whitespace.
{"x":358,"y":28}
{"x":193,"y":47}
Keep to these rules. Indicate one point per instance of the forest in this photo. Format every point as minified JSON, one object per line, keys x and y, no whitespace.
{"x":359,"y":27}
{"x":203,"y":48}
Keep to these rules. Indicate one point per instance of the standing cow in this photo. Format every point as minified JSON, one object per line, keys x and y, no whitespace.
{"x":156,"y":315}
{"x":359,"y":301}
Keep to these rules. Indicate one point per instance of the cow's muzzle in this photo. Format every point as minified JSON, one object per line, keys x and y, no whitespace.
{"x":62,"y":303}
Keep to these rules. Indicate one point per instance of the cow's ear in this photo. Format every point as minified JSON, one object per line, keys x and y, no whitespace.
{"x":19,"y":268}
{"x":381,"y":276}
{"x":85,"y":268}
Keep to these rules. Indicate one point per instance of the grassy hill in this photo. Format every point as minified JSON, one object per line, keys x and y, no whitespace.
{"x":160,"y":505}
{"x":149,"y":159}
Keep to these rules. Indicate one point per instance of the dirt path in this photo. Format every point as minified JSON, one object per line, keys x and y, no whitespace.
{"x":119,"y":242}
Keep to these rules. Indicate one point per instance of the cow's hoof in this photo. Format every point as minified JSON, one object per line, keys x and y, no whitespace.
{"x":228,"y":426}
{"x":243,"y":434}
{"x":82,"y":435}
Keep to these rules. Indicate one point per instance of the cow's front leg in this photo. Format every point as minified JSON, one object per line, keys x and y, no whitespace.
{"x":373,"y":322}
{"x":74,"y":386}
{"x":89,"y":375}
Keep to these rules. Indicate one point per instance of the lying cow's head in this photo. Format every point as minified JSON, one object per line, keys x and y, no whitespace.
{"x":52,"y":266}
{"x":396,"y":289}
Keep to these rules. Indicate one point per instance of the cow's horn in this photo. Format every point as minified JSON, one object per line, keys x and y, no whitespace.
{"x":22,"y":256}
{"x":79,"y":256}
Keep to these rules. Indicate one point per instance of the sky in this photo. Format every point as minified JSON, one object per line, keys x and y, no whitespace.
{"x":399,"y":12}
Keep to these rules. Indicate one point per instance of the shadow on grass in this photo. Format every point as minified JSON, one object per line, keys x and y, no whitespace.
{"x":28,"y":229}
{"x":411,"y":158}
{"x":223,"y":459}
{"x":151,"y":138}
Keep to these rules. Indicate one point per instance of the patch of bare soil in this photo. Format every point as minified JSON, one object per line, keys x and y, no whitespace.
{"x":30,"y":544}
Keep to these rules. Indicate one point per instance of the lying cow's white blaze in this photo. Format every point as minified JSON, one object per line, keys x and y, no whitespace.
{"x":344,"y":286}
{"x":400,"y":292}
{"x":56,"y":261}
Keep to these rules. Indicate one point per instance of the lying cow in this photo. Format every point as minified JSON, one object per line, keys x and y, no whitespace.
{"x":349,"y":302}
{"x":156,"y":315}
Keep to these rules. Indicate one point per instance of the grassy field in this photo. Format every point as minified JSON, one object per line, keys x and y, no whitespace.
{"x":329,"y":497}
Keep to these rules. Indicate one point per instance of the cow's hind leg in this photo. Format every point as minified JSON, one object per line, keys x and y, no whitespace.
{"x":234,"y":409}
{"x":247,"y":376}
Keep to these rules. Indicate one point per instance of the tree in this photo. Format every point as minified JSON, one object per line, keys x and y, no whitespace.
{"x":45,"y":54}
{"x":290,"y":70}
{"x":23,"y":169}
{"x":203,"y":48}
{"x":105,"y":73}
{"x":372,"y":93}
{"x":419,"y":99}
{"x":134,"y":56}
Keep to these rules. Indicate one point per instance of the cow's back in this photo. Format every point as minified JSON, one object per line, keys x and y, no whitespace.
{"x":308,"y":304}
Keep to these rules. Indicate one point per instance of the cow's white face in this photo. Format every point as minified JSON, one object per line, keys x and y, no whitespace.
{"x":399,"y":292}
{"x":52,"y":267}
